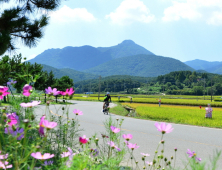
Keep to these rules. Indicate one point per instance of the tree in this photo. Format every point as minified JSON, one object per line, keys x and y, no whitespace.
{"x":63,"y":83}
{"x":16,"y":23}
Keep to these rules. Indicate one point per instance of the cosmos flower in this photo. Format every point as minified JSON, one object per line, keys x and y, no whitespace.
{"x":162,"y":127}
{"x":38,"y":155}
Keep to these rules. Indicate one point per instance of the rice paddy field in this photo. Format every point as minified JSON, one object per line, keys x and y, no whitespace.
{"x":191,"y":101}
{"x":177,"y":114}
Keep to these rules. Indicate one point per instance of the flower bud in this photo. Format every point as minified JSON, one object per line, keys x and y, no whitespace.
{"x":156,"y":151}
{"x":175,"y":149}
{"x":117,"y":119}
{"x":143,"y":158}
{"x":144,"y":167}
{"x":13,"y":128}
{"x":32,"y":117}
{"x":47,"y":103}
{"x":136,"y":162}
{"x":26,"y":121}
{"x":165,"y":159}
{"x":162,"y":141}
{"x":162,"y":151}
{"x":63,"y":108}
{"x":171,"y":157}
{"x":25,"y":58}
{"x":96,"y":139}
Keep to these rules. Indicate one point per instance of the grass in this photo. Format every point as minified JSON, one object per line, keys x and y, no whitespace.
{"x":177,"y":114}
{"x":119,"y":110}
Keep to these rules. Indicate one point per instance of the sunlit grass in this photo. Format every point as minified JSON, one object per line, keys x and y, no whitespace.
{"x":178,"y":114}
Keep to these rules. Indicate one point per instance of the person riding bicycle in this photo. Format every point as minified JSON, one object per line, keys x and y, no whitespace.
{"x":106,"y":100}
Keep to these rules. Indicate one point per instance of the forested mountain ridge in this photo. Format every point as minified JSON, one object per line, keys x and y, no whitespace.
{"x":85,"y":57}
{"x":140,"y":65}
{"x":73,"y":74}
{"x":202,"y":64}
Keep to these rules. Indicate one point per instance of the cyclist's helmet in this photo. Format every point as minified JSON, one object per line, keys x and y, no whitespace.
{"x":107,"y":93}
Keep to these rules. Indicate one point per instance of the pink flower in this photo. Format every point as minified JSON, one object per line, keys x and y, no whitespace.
{"x":38,"y":155}
{"x":32,"y":104}
{"x":127,"y":137}
{"x":77,"y":112}
{"x":3,"y":165}
{"x":65,"y":154}
{"x":162,"y":127}
{"x":114,"y":129}
{"x":112,"y":145}
{"x":54,"y":92}
{"x":3,"y":91}
{"x":3,"y":156}
{"x":41,"y":128}
{"x":149,"y":163}
{"x":48,"y":125}
{"x":145,"y":154}
{"x":68,"y":92}
{"x":71,"y":91}
{"x":27,"y":90}
{"x":132,"y":146}
{"x":12,"y":119}
{"x":83,"y":139}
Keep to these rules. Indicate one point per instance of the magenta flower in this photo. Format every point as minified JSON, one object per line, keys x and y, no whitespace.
{"x":19,"y":132}
{"x":51,"y":91}
{"x":162,"y":127}
{"x":132,"y":146}
{"x":12,"y":119}
{"x":83,"y":139}
{"x":114,"y":129}
{"x":127,"y":137}
{"x":27,"y":90}
{"x":77,"y":112}
{"x":145,"y":154}
{"x":41,"y":128}
{"x":38,"y":155}
{"x":31,"y":104}
{"x":4,"y":165}
{"x":48,"y":125}
{"x":3,"y":91}
{"x":71,"y":91}
{"x":192,"y":154}
{"x":112,"y":145}
{"x":68,"y":92}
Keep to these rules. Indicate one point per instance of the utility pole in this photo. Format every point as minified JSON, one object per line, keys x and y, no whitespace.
{"x":99,"y":87}
{"x":90,"y":88}
{"x":211,"y":89}
{"x":204,"y":88}
{"x":163,"y":84}
{"x":147,"y":87}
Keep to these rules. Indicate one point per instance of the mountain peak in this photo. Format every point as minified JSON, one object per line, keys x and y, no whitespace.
{"x":127,"y":42}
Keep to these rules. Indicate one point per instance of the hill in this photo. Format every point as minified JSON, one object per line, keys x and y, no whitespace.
{"x":217,"y":69}
{"x":85,"y":57}
{"x":202,"y":64}
{"x":73,"y":74}
{"x":140,"y":65}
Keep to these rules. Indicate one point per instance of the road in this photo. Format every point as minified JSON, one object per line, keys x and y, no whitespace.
{"x":204,"y":141}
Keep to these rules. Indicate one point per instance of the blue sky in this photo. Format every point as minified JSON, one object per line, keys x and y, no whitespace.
{"x":181,"y":29}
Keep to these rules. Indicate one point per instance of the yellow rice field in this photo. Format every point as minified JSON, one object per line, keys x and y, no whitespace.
{"x":178,"y":114}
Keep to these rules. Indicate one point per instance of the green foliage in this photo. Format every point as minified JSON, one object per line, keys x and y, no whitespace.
{"x":18,"y":23}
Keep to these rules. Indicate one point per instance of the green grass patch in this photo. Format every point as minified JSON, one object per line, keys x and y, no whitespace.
{"x":119,"y":110}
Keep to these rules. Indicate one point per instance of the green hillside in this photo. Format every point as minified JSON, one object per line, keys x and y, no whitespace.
{"x":140,"y":65}
{"x":73,"y":74}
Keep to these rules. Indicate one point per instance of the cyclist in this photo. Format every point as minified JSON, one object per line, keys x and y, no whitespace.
{"x":106,"y":100}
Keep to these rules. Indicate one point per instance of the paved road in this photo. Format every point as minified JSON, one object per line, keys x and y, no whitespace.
{"x":200,"y":139}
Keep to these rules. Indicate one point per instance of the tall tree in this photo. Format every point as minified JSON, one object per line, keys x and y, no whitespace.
{"x":16,"y":23}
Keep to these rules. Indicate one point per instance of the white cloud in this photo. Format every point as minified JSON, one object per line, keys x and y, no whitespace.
{"x":209,"y":11}
{"x":66,"y":14}
{"x":131,"y":11}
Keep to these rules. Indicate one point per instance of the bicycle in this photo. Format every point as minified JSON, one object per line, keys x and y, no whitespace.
{"x":106,"y":109}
